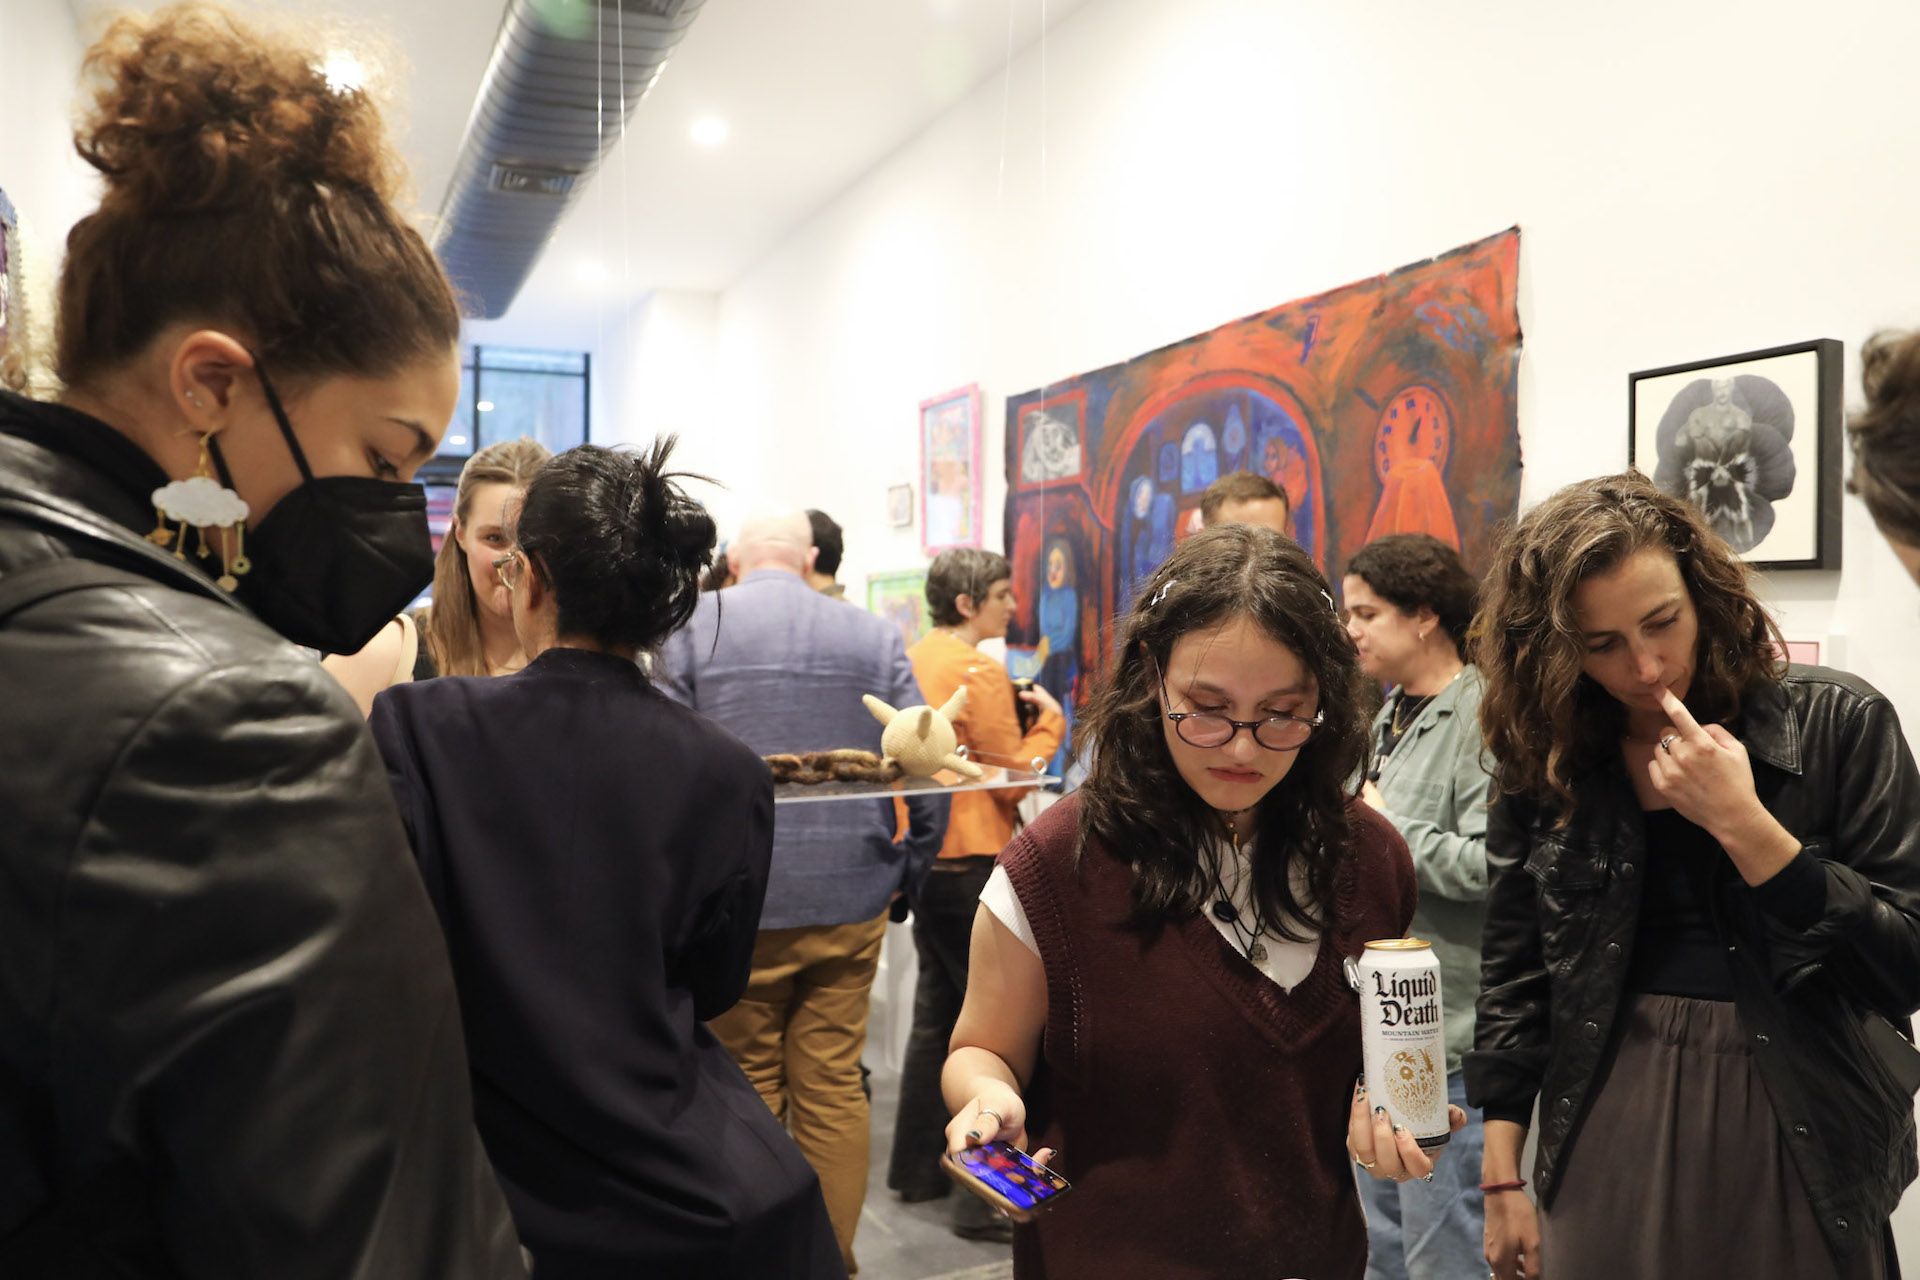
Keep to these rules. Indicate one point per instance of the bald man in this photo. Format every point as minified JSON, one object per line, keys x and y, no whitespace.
{"x":783,"y":668}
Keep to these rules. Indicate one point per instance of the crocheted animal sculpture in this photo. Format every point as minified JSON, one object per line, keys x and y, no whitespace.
{"x":922,"y":739}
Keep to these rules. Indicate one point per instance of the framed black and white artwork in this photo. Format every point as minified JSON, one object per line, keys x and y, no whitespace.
{"x":1753,"y":441}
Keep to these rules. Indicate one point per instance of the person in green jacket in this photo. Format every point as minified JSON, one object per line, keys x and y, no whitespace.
{"x":1409,"y":603}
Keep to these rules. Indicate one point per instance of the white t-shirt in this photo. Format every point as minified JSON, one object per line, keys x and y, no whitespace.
{"x":1287,"y":962}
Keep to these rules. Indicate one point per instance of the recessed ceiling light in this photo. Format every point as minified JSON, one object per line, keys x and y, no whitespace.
{"x":591,"y":271}
{"x":456,"y":441}
{"x":709,"y":131}
{"x":344,"y":72}
{"x":485,"y":406}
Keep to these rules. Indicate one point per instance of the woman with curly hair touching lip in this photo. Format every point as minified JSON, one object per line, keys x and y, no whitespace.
{"x":1703,"y":922}
{"x":1155,"y":989}
{"x":229,"y":1038}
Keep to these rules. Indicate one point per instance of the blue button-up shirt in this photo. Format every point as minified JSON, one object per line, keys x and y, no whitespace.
{"x":783,"y":668}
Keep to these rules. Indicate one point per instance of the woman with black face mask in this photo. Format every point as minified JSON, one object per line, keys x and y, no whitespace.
{"x":229,"y":1039}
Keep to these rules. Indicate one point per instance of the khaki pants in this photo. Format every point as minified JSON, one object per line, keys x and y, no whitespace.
{"x":798,"y":1033}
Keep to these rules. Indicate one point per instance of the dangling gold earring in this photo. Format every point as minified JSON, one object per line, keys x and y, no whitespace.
{"x":201,"y":502}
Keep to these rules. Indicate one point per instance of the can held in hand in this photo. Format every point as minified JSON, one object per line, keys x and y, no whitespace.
{"x":1401,"y":1038}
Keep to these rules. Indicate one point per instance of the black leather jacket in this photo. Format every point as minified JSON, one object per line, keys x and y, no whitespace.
{"x":1830,"y":763}
{"x":229,"y":1042}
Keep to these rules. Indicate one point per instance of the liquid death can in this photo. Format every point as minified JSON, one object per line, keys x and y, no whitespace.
{"x":1401,"y":1039}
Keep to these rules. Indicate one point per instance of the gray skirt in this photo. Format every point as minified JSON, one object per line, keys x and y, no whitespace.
{"x":1680,"y":1169}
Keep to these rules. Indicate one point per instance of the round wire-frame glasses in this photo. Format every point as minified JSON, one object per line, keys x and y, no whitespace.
{"x":508,"y":567}
{"x":1211,"y":729}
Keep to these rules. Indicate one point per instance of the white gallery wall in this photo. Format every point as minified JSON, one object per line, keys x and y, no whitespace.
{"x":39,"y":171}
{"x":1691,"y":180}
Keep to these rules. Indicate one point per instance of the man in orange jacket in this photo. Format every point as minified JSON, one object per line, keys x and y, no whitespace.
{"x":970,"y":596}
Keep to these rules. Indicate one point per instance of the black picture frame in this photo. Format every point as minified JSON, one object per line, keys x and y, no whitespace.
{"x":1726,"y":437}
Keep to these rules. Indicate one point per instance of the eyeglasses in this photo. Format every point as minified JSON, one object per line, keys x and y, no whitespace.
{"x":508,"y":567}
{"x":1211,"y":729}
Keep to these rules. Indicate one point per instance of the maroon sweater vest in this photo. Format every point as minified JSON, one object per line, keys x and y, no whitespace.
{"x":1200,"y":1111}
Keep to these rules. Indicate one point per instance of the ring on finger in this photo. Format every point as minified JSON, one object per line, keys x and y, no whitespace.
{"x":1364,"y":1164}
{"x":999,"y":1121}
{"x":1666,"y":743}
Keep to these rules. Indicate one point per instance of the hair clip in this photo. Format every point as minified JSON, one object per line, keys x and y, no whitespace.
{"x":1332,"y":608}
{"x":1162,"y":594}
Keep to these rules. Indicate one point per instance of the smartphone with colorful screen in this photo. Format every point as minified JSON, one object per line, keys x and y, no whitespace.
{"x":1006,"y":1177}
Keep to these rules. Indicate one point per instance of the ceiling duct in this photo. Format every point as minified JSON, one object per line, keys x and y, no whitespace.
{"x":548,"y":111}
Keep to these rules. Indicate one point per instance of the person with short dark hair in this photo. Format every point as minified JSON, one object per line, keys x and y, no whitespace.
{"x":1242,"y":497}
{"x":598,"y":856}
{"x":1886,"y":442}
{"x":960,"y":583}
{"x":720,"y":576}
{"x":1703,"y":917}
{"x":1156,"y":963}
{"x":829,"y":547}
{"x":1410,"y":603}
{"x":971,"y":595}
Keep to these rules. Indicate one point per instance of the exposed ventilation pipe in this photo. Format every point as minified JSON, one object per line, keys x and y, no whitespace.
{"x":547,"y":113}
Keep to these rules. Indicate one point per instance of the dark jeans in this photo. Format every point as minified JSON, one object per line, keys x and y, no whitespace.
{"x":942,"y":934}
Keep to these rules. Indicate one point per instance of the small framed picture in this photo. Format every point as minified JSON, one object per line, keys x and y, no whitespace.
{"x":1050,"y":434}
{"x":901,"y":598}
{"x":1753,"y":441}
{"x":899,"y":506}
{"x":951,"y":495}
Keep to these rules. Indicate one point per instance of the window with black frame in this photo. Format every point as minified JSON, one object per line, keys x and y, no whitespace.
{"x":509,"y":392}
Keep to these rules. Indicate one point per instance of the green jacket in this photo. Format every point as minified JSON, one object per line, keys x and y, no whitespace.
{"x":1436,"y":794}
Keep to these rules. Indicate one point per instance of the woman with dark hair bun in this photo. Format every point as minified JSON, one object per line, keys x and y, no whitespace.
{"x":1703,"y":920}
{"x":1155,"y":989}
{"x":598,"y":856}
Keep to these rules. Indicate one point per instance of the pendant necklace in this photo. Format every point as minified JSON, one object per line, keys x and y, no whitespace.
{"x":1247,"y":942}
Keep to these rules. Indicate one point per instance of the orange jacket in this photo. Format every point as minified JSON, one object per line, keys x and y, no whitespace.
{"x":981,"y":821}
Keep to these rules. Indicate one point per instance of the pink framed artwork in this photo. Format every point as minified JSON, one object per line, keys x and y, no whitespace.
{"x":951,"y":497}
{"x":1803,"y":652}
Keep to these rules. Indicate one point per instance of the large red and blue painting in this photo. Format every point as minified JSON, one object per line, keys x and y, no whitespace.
{"x":1385,"y":406}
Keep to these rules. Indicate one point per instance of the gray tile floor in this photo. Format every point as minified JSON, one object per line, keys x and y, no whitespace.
{"x":912,"y":1241}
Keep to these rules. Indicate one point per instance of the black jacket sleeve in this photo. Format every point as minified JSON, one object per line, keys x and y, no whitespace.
{"x":260,"y":999}
{"x":1868,"y":938}
{"x":1513,"y":1020}
{"x":717,"y":960}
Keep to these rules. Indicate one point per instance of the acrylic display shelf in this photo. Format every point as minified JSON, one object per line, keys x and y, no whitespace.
{"x":999,"y":774}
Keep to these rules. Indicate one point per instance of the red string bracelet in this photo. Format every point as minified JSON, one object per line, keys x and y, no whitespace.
{"x":1504,"y":1186}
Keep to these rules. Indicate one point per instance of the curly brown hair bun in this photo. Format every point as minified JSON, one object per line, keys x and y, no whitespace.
{"x":243,"y":191}
{"x":1543,"y":720}
{"x":1886,"y":435}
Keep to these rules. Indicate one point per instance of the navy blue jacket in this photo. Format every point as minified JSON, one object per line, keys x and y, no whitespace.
{"x":597,"y":856}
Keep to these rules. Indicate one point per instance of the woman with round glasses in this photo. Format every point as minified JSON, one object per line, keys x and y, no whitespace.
{"x":1155,"y":991}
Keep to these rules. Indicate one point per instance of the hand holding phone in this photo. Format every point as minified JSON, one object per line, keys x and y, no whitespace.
{"x":1007,"y":1178}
